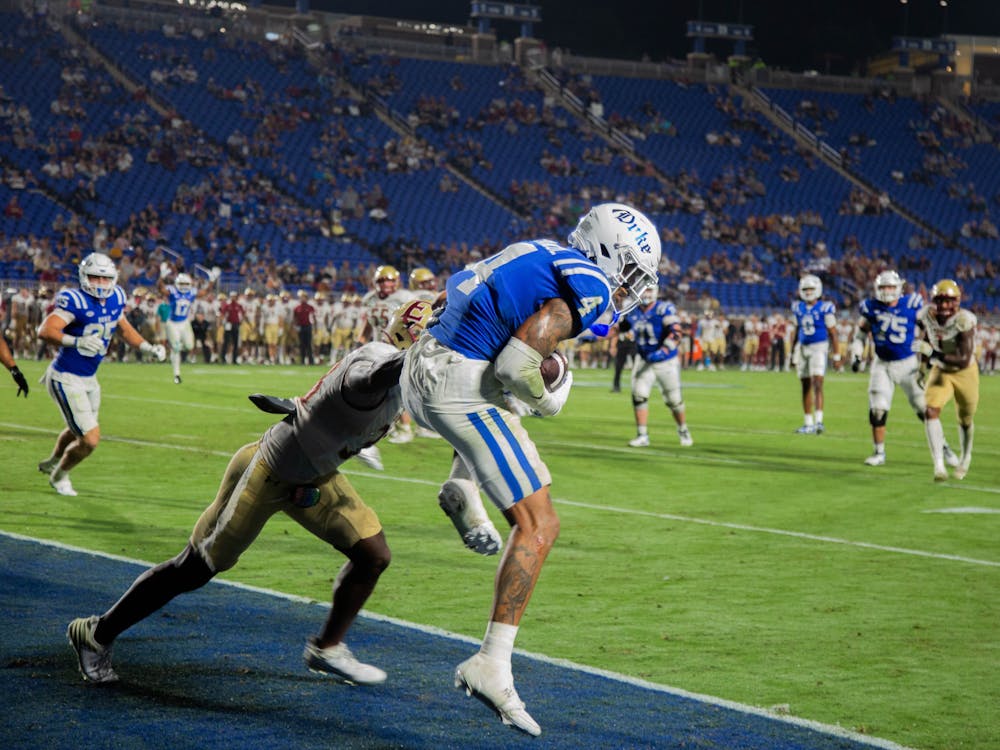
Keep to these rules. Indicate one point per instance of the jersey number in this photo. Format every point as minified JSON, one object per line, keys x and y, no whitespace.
{"x":104,"y":330}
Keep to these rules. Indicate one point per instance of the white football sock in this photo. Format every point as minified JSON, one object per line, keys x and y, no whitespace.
{"x":498,"y":643}
{"x":935,"y":440}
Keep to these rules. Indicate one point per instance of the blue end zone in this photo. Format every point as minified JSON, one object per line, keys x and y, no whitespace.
{"x":222,"y":667}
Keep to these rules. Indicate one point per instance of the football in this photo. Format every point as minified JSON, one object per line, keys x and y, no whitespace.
{"x":554,"y":368}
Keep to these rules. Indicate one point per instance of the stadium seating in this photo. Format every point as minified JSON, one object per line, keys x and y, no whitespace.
{"x":257,"y":129}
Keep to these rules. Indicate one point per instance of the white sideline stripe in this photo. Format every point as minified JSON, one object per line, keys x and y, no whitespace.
{"x":782,"y":532}
{"x":608,"y":508}
{"x":964,"y":509}
{"x":829,"y":729}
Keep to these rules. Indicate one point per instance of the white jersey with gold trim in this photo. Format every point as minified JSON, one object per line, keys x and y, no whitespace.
{"x":943,"y":337}
{"x":378,"y":311}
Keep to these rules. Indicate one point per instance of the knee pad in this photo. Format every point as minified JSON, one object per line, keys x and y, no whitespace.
{"x":639,"y":403}
{"x":877,"y":417}
{"x":460,"y":500}
{"x":674,"y":400}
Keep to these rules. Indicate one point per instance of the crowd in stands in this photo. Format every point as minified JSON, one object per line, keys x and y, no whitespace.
{"x":244,"y":181}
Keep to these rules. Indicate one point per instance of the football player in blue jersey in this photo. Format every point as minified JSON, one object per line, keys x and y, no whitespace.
{"x":180,"y":336}
{"x":891,"y":320}
{"x":657,"y":331}
{"x":8,"y":361}
{"x":815,"y":338}
{"x":82,"y":324}
{"x":502,"y":316}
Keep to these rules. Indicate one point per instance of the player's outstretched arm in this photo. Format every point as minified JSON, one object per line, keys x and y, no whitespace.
{"x":134,"y":338}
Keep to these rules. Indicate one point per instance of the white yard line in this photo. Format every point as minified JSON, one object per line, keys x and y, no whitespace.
{"x":608,"y":508}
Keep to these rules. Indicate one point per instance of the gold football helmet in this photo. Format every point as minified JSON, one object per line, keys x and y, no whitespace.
{"x":423,"y":278}
{"x":385,"y":273}
{"x":946,"y":288}
{"x":407,"y":322}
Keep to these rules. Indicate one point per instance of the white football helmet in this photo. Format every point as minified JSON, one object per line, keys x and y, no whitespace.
{"x":810,"y":288}
{"x":183,"y":282}
{"x":888,"y":287}
{"x":101,"y":266}
{"x":625,"y":245}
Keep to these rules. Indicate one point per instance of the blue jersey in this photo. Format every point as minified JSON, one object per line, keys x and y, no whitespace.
{"x":89,"y":316}
{"x":893,"y":326}
{"x":488,"y":302}
{"x":811,"y":320}
{"x":650,"y":326}
{"x":180,"y":303}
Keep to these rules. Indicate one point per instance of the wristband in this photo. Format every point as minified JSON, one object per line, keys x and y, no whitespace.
{"x":68,"y":340}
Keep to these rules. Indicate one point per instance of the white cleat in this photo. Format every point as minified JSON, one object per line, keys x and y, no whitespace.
{"x":639,"y":441}
{"x":371,"y":457}
{"x":340,"y":662}
{"x":426,"y":433}
{"x":940,"y":473}
{"x":63,"y":486}
{"x":401,"y":436}
{"x":483,"y":539}
{"x":685,"y":435}
{"x":960,"y":471}
{"x":94,"y":659}
{"x":875,"y":459}
{"x":951,"y":458}
{"x":492,"y":683}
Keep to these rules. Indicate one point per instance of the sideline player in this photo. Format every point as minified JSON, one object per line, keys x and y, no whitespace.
{"x":948,"y":349}
{"x":502,"y":316}
{"x":891,"y":320}
{"x":82,"y":325}
{"x":293,"y":468}
{"x":657,"y":332}
{"x":815,"y":336}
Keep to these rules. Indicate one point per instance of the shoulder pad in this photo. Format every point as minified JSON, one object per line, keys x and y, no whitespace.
{"x":965,"y":320}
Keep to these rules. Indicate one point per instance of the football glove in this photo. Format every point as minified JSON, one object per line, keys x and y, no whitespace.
{"x":157,"y":350}
{"x":796,"y":356}
{"x":22,"y":383}
{"x":553,"y":401}
{"x":90,"y":345}
{"x":272,"y":404}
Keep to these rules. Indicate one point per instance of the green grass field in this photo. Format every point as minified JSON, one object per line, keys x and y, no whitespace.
{"x":759,"y":566}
